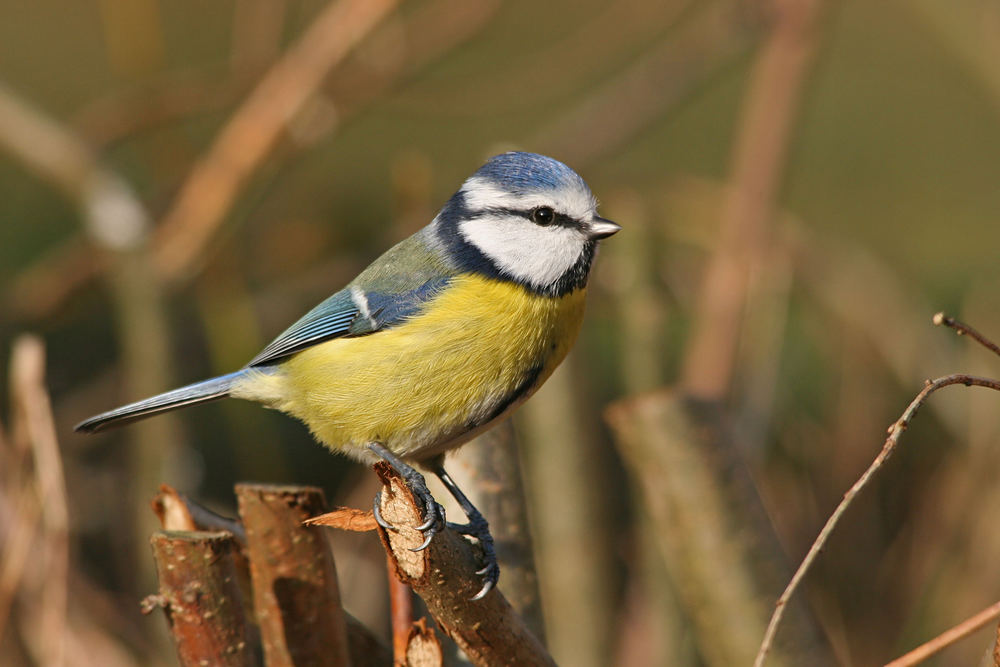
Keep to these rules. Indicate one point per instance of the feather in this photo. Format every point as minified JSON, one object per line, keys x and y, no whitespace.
{"x":192,"y":394}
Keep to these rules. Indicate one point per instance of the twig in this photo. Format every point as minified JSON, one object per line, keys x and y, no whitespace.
{"x":178,"y":512}
{"x":401,"y":606}
{"x":113,"y":214}
{"x":490,"y":468}
{"x":699,"y":511}
{"x":895,"y":432}
{"x":54,"y":276}
{"x":963,"y":329}
{"x":250,"y":136}
{"x":947,"y":638}
{"x":116,"y":221}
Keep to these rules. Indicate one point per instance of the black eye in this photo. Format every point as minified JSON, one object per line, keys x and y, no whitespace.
{"x":543,"y":215}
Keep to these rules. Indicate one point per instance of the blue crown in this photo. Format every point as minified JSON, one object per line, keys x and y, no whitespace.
{"x":520,"y":173}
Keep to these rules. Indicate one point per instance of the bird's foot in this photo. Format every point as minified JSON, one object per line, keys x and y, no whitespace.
{"x":433,"y":513}
{"x":479,"y":529}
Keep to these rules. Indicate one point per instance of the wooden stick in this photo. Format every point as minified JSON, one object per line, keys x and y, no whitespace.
{"x":199,"y":594}
{"x":489,"y":468}
{"x":296,"y":599}
{"x":401,"y":606}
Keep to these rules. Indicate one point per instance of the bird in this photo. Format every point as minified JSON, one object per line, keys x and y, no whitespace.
{"x":438,"y":339}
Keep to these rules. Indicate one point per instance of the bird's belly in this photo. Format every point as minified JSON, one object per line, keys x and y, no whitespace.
{"x":431,"y":383}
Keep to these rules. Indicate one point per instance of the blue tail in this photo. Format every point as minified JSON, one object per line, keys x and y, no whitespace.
{"x":192,"y":394}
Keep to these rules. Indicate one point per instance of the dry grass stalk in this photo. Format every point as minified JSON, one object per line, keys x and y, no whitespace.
{"x":251,"y":134}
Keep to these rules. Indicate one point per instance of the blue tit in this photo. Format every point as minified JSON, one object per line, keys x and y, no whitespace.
{"x":439,"y":338}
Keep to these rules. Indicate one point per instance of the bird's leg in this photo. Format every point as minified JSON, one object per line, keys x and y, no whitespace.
{"x":433,"y":512}
{"x":477,"y":527}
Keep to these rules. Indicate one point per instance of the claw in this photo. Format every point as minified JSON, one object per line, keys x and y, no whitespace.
{"x":433,"y":517}
{"x":378,"y":512}
{"x":487,"y":587}
{"x":478,"y":529}
{"x":427,"y":540}
{"x":435,"y":521}
{"x":434,"y":513}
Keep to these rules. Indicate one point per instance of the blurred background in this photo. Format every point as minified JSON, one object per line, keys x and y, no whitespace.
{"x":802,"y":184}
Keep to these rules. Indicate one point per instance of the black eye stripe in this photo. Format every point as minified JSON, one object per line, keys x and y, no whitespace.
{"x":560,"y":219}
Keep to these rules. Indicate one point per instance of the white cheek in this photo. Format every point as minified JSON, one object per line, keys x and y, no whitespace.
{"x":537,"y":255}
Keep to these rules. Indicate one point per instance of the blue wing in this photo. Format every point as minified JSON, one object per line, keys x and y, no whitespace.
{"x":350,"y":312}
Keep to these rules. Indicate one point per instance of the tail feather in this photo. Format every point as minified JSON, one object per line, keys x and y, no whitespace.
{"x":192,"y":394}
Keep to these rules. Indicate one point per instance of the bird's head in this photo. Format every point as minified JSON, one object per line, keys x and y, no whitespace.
{"x":527,"y":218}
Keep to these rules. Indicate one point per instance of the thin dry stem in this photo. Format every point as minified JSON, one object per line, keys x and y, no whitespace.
{"x":401,"y":604}
{"x":423,"y":648}
{"x":32,"y":398}
{"x":948,"y":637}
{"x":895,"y":433}
{"x":252,"y":133}
{"x":963,"y":329}
{"x":658,"y":81}
{"x":758,"y":163}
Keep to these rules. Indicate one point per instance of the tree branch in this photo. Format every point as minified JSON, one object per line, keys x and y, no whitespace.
{"x":895,"y":433}
{"x":200,"y":596}
{"x":296,"y":599}
{"x":488,"y":631}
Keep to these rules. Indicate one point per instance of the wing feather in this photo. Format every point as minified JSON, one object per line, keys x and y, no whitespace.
{"x":341,"y":316}
{"x":395,"y":287}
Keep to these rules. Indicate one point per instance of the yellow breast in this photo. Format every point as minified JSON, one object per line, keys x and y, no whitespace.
{"x":432,"y":382}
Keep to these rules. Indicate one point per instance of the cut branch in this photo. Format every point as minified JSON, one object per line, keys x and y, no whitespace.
{"x":199,"y":594}
{"x":296,"y":599}
{"x":488,"y":631}
{"x":178,"y":512}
